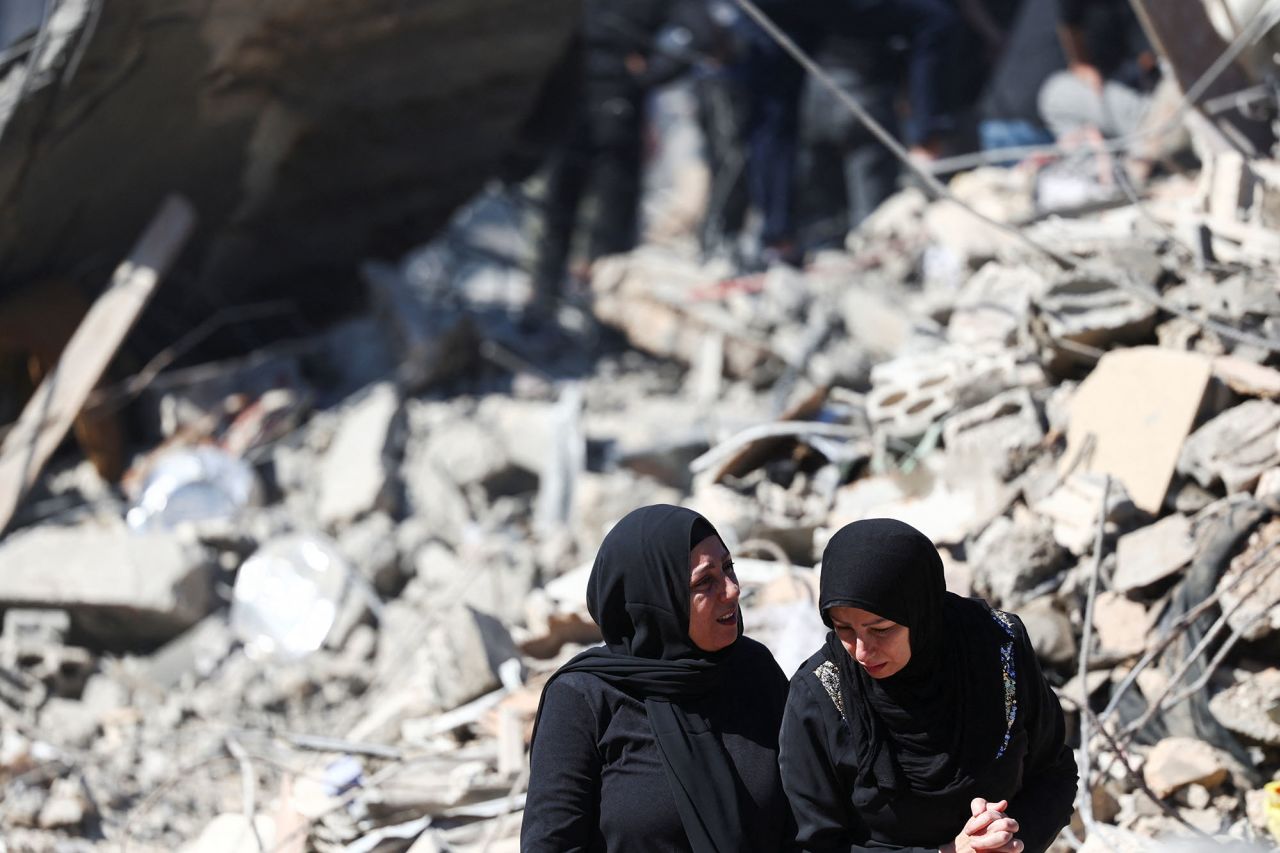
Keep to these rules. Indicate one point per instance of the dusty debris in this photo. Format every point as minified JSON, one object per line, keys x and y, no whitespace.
{"x":1177,"y":762}
{"x":1235,"y":447}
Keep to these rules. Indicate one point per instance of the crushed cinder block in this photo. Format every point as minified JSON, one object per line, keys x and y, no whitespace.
{"x":118,"y":587}
{"x":1000,"y":436}
{"x":1234,"y":448}
{"x":993,"y":306}
{"x":1176,"y":762}
{"x":1153,"y":553}
{"x":1251,"y":707}
{"x":1085,"y":306}
{"x":1251,"y":585}
{"x":1139,"y":405}
{"x":356,"y":473}
{"x":910,"y":393}
{"x":1013,"y":556}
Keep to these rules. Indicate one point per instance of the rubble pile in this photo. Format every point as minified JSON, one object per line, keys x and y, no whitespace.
{"x":322,"y":614}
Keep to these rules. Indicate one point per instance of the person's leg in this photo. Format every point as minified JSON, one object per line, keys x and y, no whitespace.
{"x":565,"y":181}
{"x":615,"y":177}
{"x":1068,"y":104}
{"x":1123,"y":109}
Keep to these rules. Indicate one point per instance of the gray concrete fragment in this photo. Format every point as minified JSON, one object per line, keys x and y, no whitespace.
{"x":994,"y":305}
{"x":1085,"y":306}
{"x":192,"y":656}
{"x":1153,"y":553}
{"x":356,"y":471}
{"x":370,"y":545}
{"x":118,"y":587}
{"x":446,"y":657}
{"x":1012,"y":557}
{"x":1234,"y":448}
{"x":1000,"y":436}
{"x":1252,"y":707}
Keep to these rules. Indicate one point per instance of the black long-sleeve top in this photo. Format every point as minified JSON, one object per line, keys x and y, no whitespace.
{"x":1036,"y":774}
{"x":597,"y":782}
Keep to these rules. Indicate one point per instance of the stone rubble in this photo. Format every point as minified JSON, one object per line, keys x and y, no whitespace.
{"x":935,"y":372}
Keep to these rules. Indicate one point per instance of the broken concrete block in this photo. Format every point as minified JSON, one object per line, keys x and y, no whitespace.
{"x":193,"y":655}
{"x":1251,"y":585}
{"x":231,"y":833}
{"x":1084,"y":306}
{"x":67,"y":806}
{"x":993,"y":306}
{"x":1050,"y":630}
{"x":1176,"y":762}
{"x":118,"y":587}
{"x":1012,"y":557}
{"x":1251,"y":707}
{"x":876,"y":320}
{"x":1074,"y":506}
{"x":432,"y":340}
{"x":1235,"y":447}
{"x":31,"y":632}
{"x":445,"y":657}
{"x":356,"y":473}
{"x":370,"y":545}
{"x":1120,"y":624}
{"x":1153,"y":553}
{"x":68,"y":723}
{"x":912,"y":392}
{"x":645,"y":294}
{"x":1000,"y":436}
{"x":1247,"y":378}
{"x":1139,"y":404}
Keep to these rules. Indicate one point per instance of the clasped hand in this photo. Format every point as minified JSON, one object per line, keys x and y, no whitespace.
{"x":989,"y":830}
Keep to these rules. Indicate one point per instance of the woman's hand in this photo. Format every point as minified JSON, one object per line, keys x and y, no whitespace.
{"x":989,"y":830}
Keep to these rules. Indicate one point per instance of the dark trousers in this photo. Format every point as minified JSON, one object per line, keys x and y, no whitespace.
{"x":722,"y":116}
{"x":601,"y":156}
{"x":775,"y":82}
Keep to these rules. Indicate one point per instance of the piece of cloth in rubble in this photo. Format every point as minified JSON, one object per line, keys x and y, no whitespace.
{"x":638,"y":594}
{"x":895,"y":761}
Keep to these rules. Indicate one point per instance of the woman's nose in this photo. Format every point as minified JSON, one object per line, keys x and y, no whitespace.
{"x":861,"y":653}
{"x":731,"y":589}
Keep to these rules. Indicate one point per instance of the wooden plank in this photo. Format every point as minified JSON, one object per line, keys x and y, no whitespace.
{"x":48,"y":415}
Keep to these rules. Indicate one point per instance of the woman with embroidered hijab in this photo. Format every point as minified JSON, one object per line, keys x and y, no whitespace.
{"x":666,"y":737}
{"x":924,"y":722}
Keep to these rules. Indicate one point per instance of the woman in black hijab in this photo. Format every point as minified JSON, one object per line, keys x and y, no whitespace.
{"x":924,"y":722}
{"x":665,"y":738}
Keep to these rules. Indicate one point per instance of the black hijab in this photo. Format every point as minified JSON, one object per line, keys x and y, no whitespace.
{"x":638,"y":594}
{"x":929,"y":728}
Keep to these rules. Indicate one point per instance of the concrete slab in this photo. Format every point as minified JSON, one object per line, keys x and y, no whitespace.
{"x":119,"y":587}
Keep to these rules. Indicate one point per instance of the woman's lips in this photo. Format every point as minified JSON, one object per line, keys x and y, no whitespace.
{"x":873,"y":668}
{"x":728,"y":618}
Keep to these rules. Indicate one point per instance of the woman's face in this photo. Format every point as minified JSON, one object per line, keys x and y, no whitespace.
{"x":713,"y":596}
{"x":880,"y":646}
